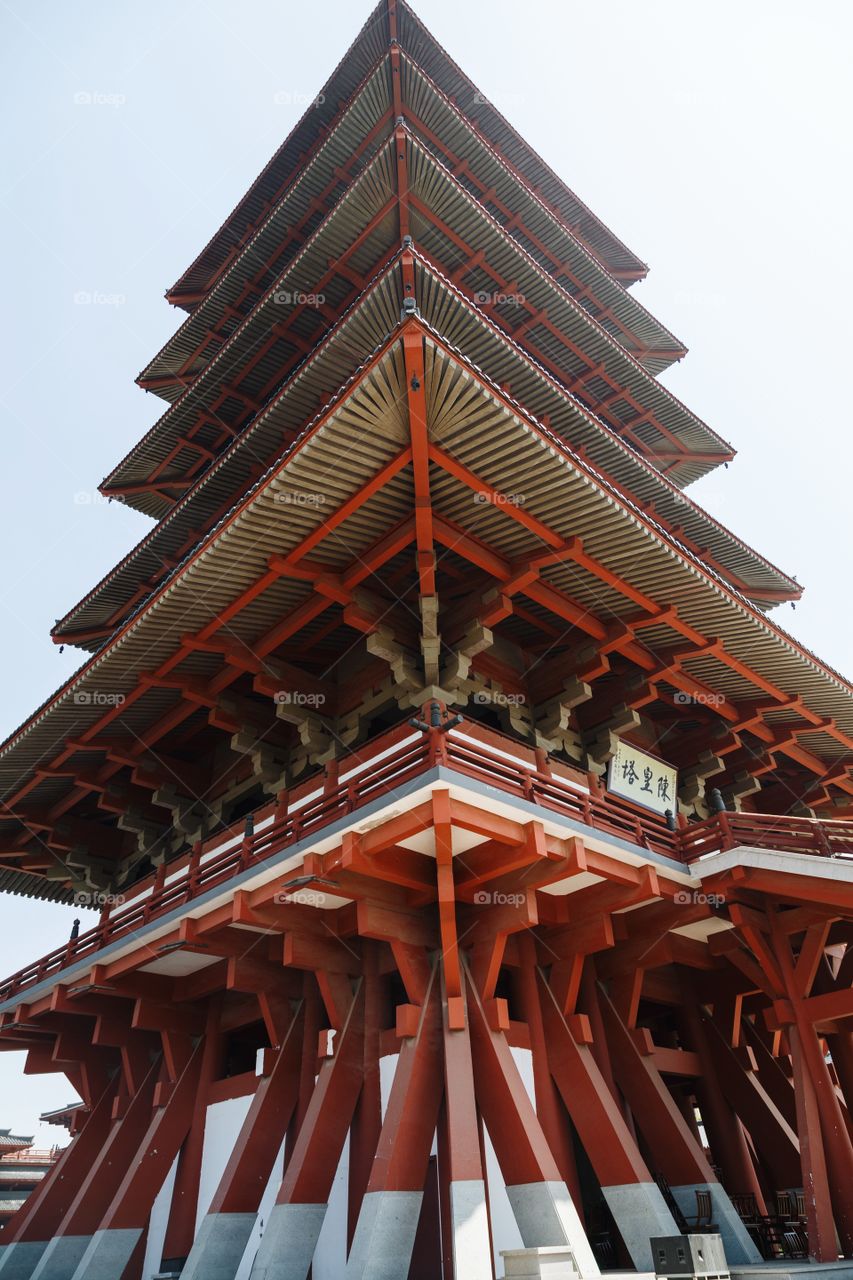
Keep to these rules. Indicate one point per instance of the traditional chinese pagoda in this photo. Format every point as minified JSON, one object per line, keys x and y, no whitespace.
{"x":472,"y":846}
{"x":22,"y":1167}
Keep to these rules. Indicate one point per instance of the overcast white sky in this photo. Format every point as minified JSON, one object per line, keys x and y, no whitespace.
{"x":714,"y":138}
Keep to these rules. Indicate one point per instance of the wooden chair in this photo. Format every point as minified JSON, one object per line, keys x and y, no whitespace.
{"x":671,"y":1202}
{"x":784,"y":1207}
{"x":605,"y":1254}
{"x":746,"y":1207}
{"x":796,"y":1244}
{"x":801,"y":1207}
{"x":763,"y":1229}
{"x":701,"y":1221}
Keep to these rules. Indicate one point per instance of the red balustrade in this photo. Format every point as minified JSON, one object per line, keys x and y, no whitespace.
{"x":831,"y":838}
{"x":219,"y":859}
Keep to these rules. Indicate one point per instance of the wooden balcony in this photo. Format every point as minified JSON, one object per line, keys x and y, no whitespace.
{"x":832,"y":838}
{"x":378,"y":769}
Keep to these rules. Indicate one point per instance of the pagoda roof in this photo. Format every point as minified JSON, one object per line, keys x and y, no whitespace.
{"x":555,"y":328}
{"x":30,"y":885}
{"x":12,"y":1142}
{"x":361,"y":127}
{"x":62,"y":1115}
{"x":369,"y":323}
{"x":165,"y":448}
{"x":394,"y":19}
{"x":606,"y":571}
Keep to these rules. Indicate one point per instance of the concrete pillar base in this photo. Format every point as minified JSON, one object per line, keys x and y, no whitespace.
{"x":61,"y":1258}
{"x":554,"y":1263}
{"x":640,"y":1211}
{"x":737,"y":1241}
{"x":288,"y":1242}
{"x":546,"y":1216}
{"x":107,"y":1254}
{"x":219,"y":1246}
{"x":469,"y":1221}
{"x":20,"y":1259}
{"x":384,"y":1236}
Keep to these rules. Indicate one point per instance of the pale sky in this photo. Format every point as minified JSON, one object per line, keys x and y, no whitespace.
{"x":713,"y":138}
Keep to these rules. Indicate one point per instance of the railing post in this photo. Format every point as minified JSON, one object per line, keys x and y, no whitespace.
{"x":282,"y":805}
{"x":824,"y":844}
{"x":437,"y":748}
{"x":331,"y":770}
{"x":247,"y":848}
{"x":727,"y":841}
{"x":159,"y":883}
{"x":193,"y":869}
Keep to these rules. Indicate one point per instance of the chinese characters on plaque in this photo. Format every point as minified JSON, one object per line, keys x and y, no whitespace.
{"x":637,"y":776}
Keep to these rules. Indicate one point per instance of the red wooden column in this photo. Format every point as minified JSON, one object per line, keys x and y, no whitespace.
{"x":450,"y":960}
{"x":549,"y":1109}
{"x":311,"y":1004}
{"x":225,"y":1231}
{"x":97,"y":1188}
{"x":290,"y":1239}
{"x":841,"y":1051}
{"x":796,"y":979}
{"x":676,"y":1153}
{"x":719,"y":1113}
{"x":728,"y":1090}
{"x":632,"y":1195}
{"x":391,"y":1207}
{"x":540,"y":1200}
{"x":180,"y":1231}
{"x":821,"y":1225}
{"x":460,"y":1161}
{"x":27,"y":1235}
{"x":124,"y":1222}
{"x":367,"y":1120}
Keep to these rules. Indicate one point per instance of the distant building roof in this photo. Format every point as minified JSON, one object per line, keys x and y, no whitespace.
{"x":13,"y":1142}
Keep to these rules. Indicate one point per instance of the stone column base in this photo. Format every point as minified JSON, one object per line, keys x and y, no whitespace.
{"x":553,"y":1262}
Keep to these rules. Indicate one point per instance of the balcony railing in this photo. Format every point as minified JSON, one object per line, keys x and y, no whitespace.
{"x":831,"y":838}
{"x":396,"y":758}
{"x":30,"y":1155}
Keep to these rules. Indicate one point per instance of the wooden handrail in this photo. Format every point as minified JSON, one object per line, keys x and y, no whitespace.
{"x":218,"y":860}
